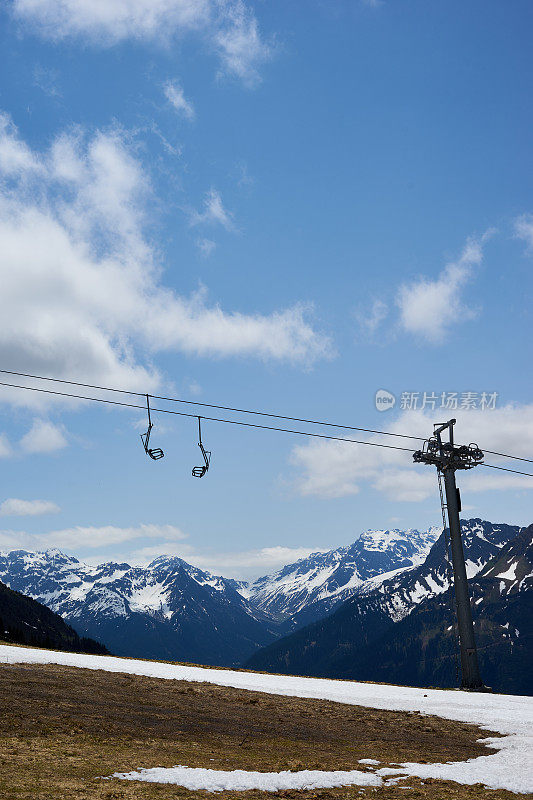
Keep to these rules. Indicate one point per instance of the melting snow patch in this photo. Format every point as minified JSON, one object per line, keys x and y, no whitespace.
{"x":368,"y":761}
{"x":238,"y":780}
{"x":487,"y":770}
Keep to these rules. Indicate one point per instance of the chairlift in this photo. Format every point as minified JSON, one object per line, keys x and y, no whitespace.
{"x":155,"y":453}
{"x":199,"y":472}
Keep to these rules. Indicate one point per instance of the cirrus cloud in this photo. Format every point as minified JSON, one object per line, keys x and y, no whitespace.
{"x":152,"y":541}
{"x":214,"y":212}
{"x":5,"y":447}
{"x":523,"y":228}
{"x":82,"y":537}
{"x":89,"y":536}
{"x":175,"y":96}
{"x":228,"y":27}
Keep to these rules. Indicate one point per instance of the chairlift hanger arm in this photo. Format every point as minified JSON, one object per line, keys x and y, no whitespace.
{"x":155,"y":453}
{"x":199,"y":472}
{"x":148,"y":409}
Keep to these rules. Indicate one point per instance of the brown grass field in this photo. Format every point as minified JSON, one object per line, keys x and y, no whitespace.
{"x":63,"y":728}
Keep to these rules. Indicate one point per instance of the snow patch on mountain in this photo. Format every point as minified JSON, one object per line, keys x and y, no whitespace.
{"x":510,"y":573}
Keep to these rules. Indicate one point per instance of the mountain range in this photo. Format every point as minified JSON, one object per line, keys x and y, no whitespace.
{"x":166,"y":610}
{"x":313,"y":587}
{"x":422,"y":648}
{"x":378,"y":609}
{"x":173,"y":610}
{"x":402,"y":629}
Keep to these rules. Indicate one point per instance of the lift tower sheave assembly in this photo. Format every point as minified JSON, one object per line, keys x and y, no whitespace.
{"x":448,"y":458}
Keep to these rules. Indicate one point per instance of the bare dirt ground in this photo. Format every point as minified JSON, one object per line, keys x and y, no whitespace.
{"x":63,"y":727}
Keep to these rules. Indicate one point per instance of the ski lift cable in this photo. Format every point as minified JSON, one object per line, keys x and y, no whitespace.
{"x":505,"y":455}
{"x":506,"y":469}
{"x":210,"y":419}
{"x":213,"y":405}
{"x":235,"y":422}
{"x":242,"y":410}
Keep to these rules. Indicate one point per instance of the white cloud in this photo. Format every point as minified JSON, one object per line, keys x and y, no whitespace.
{"x":80,"y":536}
{"x":43,"y":437}
{"x":5,"y":447}
{"x":497,"y":481}
{"x":192,"y":387}
{"x":213,"y":213}
{"x":243,"y":177}
{"x":239,"y":43}
{"x":228,"y":26}
{"x":176,"y":98}
{"x":334,"y":469}
{"x":206,"y":247}
{"x":523,"y":227}
{"x":16,"y":158}
{"x":81,"y":284}
{"x":407,"y":485}
{"x":430,"y":308}
{"x":369,"y":321}
{"x":89,"y":537}
{"x":255,"y":562}
{"x":13,"y":507}
{"x":16,"y":540}
{"x":113,"y":20}
{"x":46,"y":80}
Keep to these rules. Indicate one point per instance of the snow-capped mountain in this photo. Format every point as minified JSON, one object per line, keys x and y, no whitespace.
{"x":171,"y":609}
{"x":422,"y":648}
{"x":312,"y":587}
{"x":512,"y":570}
{"x":168,"y":609}
{"x":341,"y":645}
{"x":401,"y":593}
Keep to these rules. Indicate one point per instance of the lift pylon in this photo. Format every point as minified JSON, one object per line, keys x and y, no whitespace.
{"x":447,"y":457}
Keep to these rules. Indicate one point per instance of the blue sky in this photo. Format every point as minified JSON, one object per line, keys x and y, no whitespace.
{"x":285,"y":206}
